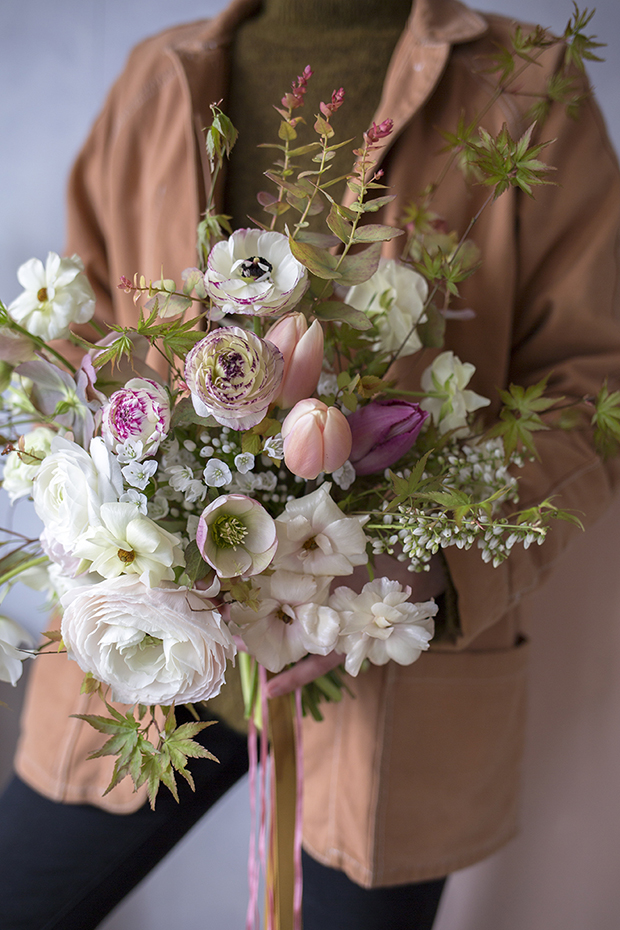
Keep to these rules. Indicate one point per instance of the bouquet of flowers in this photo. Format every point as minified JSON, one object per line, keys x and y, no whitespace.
{"x":222,"y":512}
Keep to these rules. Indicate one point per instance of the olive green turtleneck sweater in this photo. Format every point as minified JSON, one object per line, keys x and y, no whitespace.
{"x":347,"y":43}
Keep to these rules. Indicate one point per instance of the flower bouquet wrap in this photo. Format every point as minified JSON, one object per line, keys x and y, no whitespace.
{"x":237,"y":509}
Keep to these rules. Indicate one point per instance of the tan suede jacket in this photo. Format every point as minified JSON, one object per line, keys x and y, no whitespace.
{"x":418,"y":775}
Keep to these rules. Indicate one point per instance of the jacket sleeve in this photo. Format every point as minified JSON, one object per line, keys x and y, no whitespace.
{"x":566,"y":327}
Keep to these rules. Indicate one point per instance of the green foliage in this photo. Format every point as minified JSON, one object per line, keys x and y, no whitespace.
{"x":220,"y":137}
{"x":606,"y":421}
{"x":579,"y":46}
{"x":520,"y":416}
{"x":140,"y":758}
{"x":503,"y":162}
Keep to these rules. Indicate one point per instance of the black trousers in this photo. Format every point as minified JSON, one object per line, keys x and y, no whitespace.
{"x":66,"y":866}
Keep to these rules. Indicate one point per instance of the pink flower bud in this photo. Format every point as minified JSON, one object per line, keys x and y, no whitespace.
{"x":302,"y":349}
{"x":316,"y":438}
{"x":382,"y":432}
{"x":375,"y":133}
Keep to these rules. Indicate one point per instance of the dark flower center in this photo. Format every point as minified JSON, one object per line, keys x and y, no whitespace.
{"x":255,"y":267}
{"x":126,"y":556}
{"x":231,"y":364}
{"x":42,"y":295}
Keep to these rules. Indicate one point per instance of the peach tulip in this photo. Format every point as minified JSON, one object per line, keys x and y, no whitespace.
{"x":316,"y":438}
{"x":302,"y":348}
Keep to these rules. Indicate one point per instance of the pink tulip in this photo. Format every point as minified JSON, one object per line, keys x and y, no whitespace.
{"x":382,"y":432}
{"x":302,"y":349}
{"x":316,"y":438}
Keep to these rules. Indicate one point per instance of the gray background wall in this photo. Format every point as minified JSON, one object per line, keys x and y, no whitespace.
{"x":57,"y":59}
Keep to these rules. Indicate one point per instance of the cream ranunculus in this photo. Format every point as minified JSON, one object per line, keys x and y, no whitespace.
{"x":70,"y":487}
{"x":151,"y":645}
{"x":55,"y":295}
{"x":255,"y":272}
{"x":447,"y":378}
{"x":394,"y":299}
{"x":126,"y":542}
{"x":233,"y":376}
{"x":22,"y":465}
{"x":381,"y":623}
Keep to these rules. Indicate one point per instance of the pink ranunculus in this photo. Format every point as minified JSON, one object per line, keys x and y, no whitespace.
{"x":316,"y":438}
{"x":382,"y":432}
{"x":140,"y":411}
{"x":302,"y":348}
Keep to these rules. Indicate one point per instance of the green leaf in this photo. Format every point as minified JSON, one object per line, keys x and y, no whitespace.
{"x":371,"y":206}
{"x":319,"y":261}
{"x":355,"y":269}
{"x":195,"y":566}
{"x":339,"y":225}
{"x":374,"y":232}
{"x":432,"y":331}
{"x":184,"y":415}
{"x":343,"y":313}
{"x":606,"y":421}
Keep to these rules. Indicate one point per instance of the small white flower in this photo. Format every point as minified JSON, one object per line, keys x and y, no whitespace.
{"x":134,"y":497}
{"x":131,"y":450}
{"x":344,"y":476}
{"x":217,"y":474}
{"x":328,"y":383}
{"x":381,"y":623}
{"x":274,"y":447}
{"x":447,"y":379}
{"x":195,"y":491}
{"x":158,"y":506}
{"x":244,"y":462}
{"x":180,"y":476}
{"x":138,"y":474}
{"x":12,"y":635}
{"x":55,"y":295}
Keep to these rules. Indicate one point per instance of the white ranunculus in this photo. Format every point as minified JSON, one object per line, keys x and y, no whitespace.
{"x":22,"y":465}
{"x":125,"y":542}
{"x":315,"y":537}
{"x":447,"y":378}
{"x":151,"y":645}
{"x":55,"y":295}
{"x":71,"y":486}
{"x":394,"y":299}
{"x":291,"y":620}
{"x":381,"y":623}
{"x":12,"y":635}
{"x":255,"y":272}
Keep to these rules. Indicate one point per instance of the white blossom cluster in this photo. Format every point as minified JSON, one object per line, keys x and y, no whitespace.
{"x":416,"y":535}
{"x":480,"y":468}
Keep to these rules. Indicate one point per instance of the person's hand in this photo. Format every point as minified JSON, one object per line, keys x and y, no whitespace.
{"x":424,"y":586}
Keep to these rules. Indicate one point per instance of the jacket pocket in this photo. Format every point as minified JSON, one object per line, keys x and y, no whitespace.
{"x":453,"y":742}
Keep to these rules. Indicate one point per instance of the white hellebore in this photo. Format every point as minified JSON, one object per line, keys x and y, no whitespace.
{"x":22,"y":465}
{"x":315,"y":537}
{"x":447,"y":378}
{"x":151,"y":645}
{"x":394,"y":299}
{"x":126,"y":542}
{"x":12,"y":635}
{"x":255,"y":272}
{"x":70,"y":487}
{"x":290,"y":620}
{"x":55,"y":295}
{"x":381,"y":623}
{"x":236,"y":536}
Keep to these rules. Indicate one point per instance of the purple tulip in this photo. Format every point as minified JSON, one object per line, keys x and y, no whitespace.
{"x":383,"y":431}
